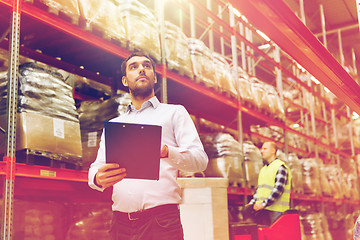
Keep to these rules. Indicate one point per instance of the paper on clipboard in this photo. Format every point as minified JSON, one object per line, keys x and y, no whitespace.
{"x":135,"y":147}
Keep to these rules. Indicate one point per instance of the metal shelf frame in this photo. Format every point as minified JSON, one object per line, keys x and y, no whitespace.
{"x":272,"y":17}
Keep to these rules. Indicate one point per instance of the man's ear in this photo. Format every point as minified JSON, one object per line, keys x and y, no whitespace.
{"x":124,"y":81}
{"x":155,"y":78}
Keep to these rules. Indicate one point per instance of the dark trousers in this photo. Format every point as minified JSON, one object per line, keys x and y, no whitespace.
{"x":266,"y":217}
{"x":159,"y":223}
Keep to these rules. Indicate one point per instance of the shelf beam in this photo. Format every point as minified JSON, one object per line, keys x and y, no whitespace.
{"x":278,"y":22}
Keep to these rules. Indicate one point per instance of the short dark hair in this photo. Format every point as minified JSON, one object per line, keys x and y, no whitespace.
{"x":136,"y":54}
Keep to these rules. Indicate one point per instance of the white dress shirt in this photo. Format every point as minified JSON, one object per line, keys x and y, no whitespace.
{"x":186,"y":153}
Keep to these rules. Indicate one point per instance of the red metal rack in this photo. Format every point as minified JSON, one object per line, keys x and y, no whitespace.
{"x":272,"y":17}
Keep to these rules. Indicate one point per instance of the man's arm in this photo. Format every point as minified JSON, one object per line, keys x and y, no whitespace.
{"x":189,"y":155}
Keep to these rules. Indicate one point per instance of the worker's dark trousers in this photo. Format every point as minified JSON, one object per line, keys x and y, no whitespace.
{"x":161,"y":225}
{"x":266,"y":217}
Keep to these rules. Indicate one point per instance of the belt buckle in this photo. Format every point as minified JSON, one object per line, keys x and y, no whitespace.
{"x":130,"y":218}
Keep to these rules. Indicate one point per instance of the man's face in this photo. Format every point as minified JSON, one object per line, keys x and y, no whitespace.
{"x":267,"y":151}
{"x":140,"y":76}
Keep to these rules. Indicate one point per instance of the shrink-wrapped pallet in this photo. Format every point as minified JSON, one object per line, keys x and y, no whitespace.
{"x":177,"y":50}
{"x":141,"y":27}
{"x":258,"y":94}
{"x":275,"y":104}
{"x":39,"y":220}
{"x":69,"y":7}
{"x":253,"y":162}
{"x":203,"y":64}
{"x":41,"y":90}
{"x":333,"y":174}
{"x":313,"y":229}
{"x":242,"y":85}
{"x":103,"y":16}
{"x":223,"y":75}
{"x":90,"y":221}
{"x":92,"y":115}
{"x":225,"y":157}
{"x":311,"y":176}
{"x":296,"y":173}
{"x":324,"y":181}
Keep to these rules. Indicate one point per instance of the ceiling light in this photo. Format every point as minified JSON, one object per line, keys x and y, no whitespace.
{"x":263,"y":35}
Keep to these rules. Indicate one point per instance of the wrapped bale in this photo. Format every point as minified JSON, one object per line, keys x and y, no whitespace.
{"x":332,"y":174}
{"x":313,"y":229}
{"x":92,"y":115}
{"x":90,"y":221}
{"x":47,"y":121}
{"x":296,"y":173}
{"x":141,"y":27}
{"x":39,"y":220}
{"x":275,"y":105}
{"x":177,"y":50}
{"x":253,"y":162}
{"x":311,"y":176}
{"x":203,"y":64}
{"x":103,"y":16}
{"x":324,"y":182}
{"x":225,"y":157}
{"x":242,"y":85}
{"x":68,"y":7}
{"x":223,"y":75}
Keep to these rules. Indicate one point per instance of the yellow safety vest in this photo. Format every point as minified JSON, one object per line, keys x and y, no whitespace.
{"x":266,"y":184}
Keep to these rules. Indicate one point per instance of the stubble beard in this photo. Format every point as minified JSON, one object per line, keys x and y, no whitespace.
{"x":142,"y":91}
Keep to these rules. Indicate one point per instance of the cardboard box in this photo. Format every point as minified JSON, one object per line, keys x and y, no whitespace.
{"x":204,"y":208}
{"x":38,"y":132}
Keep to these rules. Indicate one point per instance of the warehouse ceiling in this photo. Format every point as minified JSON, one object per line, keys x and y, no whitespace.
{"x":340,"y":15}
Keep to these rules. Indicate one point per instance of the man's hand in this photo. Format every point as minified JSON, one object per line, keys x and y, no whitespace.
{"x":109,"y":174}
{"x":258,"y":206}
{"x":164,"y":153}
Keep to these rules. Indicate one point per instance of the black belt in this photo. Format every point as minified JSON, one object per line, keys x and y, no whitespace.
{"x":146,"y":212}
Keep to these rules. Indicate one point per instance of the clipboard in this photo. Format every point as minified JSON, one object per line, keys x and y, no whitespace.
{"x":135,"y":147}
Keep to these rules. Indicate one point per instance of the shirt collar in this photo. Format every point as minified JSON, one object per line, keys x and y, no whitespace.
{"x":154,"y":102}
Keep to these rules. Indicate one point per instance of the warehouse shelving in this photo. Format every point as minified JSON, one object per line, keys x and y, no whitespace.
{"x":198,"y":99}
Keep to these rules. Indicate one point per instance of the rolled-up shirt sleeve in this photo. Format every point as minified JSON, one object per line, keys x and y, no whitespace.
{"x":189,"y":154}
{"x":94,"y":167}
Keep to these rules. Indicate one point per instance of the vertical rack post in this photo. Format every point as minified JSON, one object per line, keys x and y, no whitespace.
{"x":160,"y":8}
{"x":279,"y":87}
{"x":211,"y":33}
{"x":235,"y":75}
{"x":9,"y":158}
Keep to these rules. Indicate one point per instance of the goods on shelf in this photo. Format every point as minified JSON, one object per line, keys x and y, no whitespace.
{"x":225,"y":157}
{"x":311,"y":176}
{"x":294,"y":164}
{"x":68,"y":7}
{"x":47,"y":120}
{"x":325,"y":184}
{"x":223,"y":75}
{"x":141,"y":27}
{"x":315,"y":226}
{"x":272,"y":132}
{"x":242,"y":86}
{"x":39,"y":220}
{"x":89,"y":87}
{"x":102,"y":16}
{"x":177,"y":50}
{"x":253,"y":163}
{"x":92,"y":115}
{"x":203,"y":64}
{"x":90,"y":221}
{"x":42,"y":90}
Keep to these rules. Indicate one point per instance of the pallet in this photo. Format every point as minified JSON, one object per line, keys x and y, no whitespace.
{"x":206,"y":84}
{"x":43,"y":158}
{"x":68,"y":17}
{"x":175,"y":68}
{"x":98,"y":30}
{"x":135,"y":48}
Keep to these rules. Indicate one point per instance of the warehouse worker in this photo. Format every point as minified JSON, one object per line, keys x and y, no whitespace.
{"x":272,"y":195}
{"x":148,"y":209}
